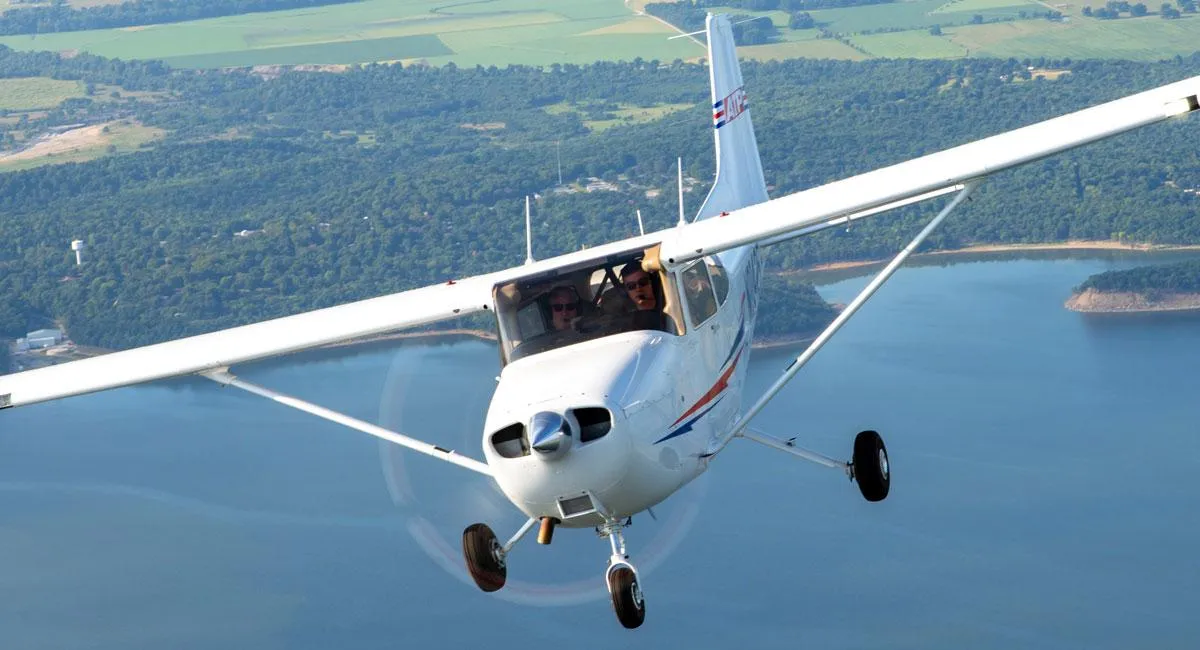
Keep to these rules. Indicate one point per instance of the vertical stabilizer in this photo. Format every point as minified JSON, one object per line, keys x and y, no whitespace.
{"x":739,"y":180}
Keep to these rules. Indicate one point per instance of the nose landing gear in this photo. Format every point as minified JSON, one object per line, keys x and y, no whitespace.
{"x":622,"y":579}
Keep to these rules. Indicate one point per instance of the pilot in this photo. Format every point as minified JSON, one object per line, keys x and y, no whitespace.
{"x":639,"y":286}
{"x":564,"y":307}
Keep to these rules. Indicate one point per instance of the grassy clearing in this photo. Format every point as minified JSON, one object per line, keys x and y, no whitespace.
{"x":909,"y":45}
{"x":496,"y":32}
{"x":624,"y":114}
{"x":37,"y":92}
{"x":976,"y":6}
{"x":81,"y":145}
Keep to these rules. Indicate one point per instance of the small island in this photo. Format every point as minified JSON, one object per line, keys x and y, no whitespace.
{"x":1169,"y":287}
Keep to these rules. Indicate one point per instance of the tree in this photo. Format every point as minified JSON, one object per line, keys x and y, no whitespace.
{"x":1087,"y":11}
{"x":936,"y":30}
{"x":801,"y":20}
{"x":1139,"y":10}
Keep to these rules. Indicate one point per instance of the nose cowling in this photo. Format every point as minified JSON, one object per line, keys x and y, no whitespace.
{"x":549,"y":435}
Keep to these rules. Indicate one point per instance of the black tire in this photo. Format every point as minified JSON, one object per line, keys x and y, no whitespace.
{"x":627,"y":598}
{"x":872,"y":470}
{"x":481,"y":550}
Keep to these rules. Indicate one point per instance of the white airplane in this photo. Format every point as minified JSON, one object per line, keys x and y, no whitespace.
{"x":623,"y":365}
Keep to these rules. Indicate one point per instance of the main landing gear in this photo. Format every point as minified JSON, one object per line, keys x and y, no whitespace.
{"x":870,"y":466}
{"x":485,"y":557}
{"x":486,"y":561}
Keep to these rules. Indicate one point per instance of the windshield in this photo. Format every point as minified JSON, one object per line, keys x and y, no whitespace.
{"x":569,"y":306}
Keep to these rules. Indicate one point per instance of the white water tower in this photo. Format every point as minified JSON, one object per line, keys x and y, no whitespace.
{"x":77,"y":246}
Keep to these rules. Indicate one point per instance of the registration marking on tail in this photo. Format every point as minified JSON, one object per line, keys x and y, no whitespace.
{"x":728,"y":109}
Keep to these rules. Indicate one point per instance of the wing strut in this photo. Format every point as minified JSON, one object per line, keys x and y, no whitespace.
{"x":739,"y":428}
{"x":225,"y":378}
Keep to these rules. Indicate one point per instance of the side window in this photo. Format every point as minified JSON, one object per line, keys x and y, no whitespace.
{"x":720,"y":281}
{"x":698,"y":293}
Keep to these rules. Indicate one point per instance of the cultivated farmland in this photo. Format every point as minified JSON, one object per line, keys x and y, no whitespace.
{"x":493,"y":33}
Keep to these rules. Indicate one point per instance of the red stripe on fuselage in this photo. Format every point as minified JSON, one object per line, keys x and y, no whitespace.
{"x":717,"y":389}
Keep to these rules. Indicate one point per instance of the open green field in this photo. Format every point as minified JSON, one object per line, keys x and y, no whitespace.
{"x":816,"y":48}
{"x":909,"y":45}
{"x":498,"y":32}
{"x":36,"y":92}
{"x":1144,"y":39}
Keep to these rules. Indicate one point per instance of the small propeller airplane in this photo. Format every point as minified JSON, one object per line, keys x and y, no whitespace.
{"x":623,"y":365}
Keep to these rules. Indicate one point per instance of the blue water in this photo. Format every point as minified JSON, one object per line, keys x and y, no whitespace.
{"x":1044,"y":496}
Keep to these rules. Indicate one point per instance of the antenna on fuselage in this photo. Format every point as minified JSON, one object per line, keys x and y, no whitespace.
{"x":641,"y":226}
{"x":682,"y":221}
{"x":528,"y":234}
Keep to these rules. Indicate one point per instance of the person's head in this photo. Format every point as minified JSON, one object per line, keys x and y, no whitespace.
{"x":697,"y":284}
{"x":564,"y":307}
{"x":639,"y":287}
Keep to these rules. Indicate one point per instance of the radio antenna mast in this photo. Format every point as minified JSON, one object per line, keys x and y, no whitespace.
{"x":682,"y":221}
{"x":528,"y":234}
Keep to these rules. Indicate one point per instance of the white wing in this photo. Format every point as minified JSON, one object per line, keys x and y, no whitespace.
{"x":929,"y":173}
{"x":859,"y":195}
{"x":221,"y":349}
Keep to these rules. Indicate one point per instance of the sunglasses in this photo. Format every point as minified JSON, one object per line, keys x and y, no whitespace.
{"x":564,"y":306}
{"x":630,"y":286}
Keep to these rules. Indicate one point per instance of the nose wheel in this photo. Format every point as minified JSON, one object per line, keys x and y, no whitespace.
{"x":623,"y":586}
{"x":627,"y":599}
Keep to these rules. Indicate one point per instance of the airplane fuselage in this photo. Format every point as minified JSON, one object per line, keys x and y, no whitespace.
{"x":669,"y":395}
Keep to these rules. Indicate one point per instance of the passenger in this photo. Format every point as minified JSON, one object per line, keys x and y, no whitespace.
{"x":639,"y":286}
{"x":564,"y":307}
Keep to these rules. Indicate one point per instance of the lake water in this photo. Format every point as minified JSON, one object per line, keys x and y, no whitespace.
{"x":1044,"y":496}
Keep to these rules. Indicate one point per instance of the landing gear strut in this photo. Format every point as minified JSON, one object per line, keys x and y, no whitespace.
{"x":627,"y":600}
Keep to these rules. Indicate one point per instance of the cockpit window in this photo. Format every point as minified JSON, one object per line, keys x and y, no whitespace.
{"x":569,"y":306}
{"x":698,"y":292}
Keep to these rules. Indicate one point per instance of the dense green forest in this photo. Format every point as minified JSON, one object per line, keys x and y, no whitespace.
{"x":1182,"y":277}
{"x":274,"y":195}
{"x":58,"y":17}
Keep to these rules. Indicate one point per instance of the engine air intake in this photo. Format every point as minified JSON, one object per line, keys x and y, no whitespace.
{"x":594,"y":423}
{"x":510,"y":442}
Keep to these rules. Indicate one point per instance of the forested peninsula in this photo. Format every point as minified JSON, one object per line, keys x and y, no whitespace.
{"x":1167,"y":287}
{"x":273,"y":192}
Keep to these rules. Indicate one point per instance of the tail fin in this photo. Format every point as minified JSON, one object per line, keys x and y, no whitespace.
{"x":739,"y":180}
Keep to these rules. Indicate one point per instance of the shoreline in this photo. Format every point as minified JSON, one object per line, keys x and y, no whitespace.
{"x":1093,"y":301}
{"x":800,"y":338}
{"x":975,"y":249}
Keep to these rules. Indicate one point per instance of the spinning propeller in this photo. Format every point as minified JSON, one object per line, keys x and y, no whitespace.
{"x":440,"y":390}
